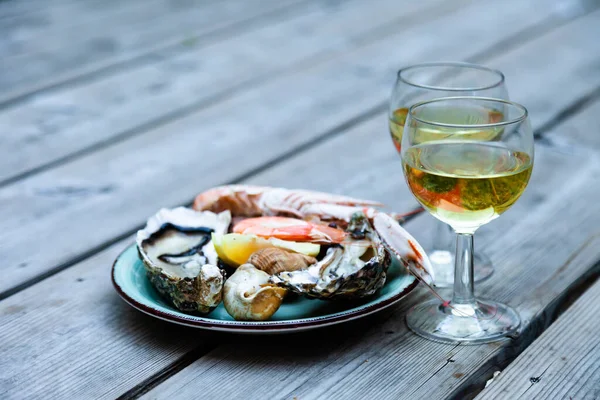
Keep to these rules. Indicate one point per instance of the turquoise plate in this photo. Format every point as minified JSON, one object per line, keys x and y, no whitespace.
{"x":129,"y":279}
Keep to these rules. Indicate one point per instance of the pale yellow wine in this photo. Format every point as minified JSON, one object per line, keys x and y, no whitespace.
{"x":466,"y":184}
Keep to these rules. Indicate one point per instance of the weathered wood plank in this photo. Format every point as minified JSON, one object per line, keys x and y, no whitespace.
{"x":387,"y":361}
{"x":117,"y":187}
{"x":24,"y":22}
{"x":564,"y":363}
{"x":12,"y":9}
{"x":582,"y":132}
{"x":51,"y":21}
{"x":111,"y":347}
{"x":58,"y":44}
{"x":171,"y":83}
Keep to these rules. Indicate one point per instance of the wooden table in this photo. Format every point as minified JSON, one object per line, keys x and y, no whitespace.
{"x":112,"y":109}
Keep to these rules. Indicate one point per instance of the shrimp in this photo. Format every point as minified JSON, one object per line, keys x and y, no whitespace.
{"x":290,"y":229}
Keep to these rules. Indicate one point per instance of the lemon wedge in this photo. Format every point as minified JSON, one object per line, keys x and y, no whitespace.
{"x":234,"y":249}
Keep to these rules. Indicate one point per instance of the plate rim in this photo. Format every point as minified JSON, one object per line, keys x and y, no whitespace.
{"x":256,"y":326}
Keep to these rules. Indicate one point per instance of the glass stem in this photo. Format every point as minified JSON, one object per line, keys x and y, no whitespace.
{"x":463,"y":271}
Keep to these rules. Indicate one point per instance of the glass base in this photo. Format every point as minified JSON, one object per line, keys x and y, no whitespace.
{"x":443,"y":267}
{"x":486,"y":322}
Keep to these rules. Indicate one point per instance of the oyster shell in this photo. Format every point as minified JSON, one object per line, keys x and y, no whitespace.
{"x":356,"y":269}
{"x":273,"y":260}
{"x":247,"y":296}
{"x":180,"y":260}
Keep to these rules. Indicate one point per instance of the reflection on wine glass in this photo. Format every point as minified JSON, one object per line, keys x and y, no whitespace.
{"x":421,"y":82}
{"x":466,"y":160}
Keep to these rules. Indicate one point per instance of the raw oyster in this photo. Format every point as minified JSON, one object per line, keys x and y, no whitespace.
{"x":247,"y":295}
{"x":180,"y":259}
{"x":355,"y":269}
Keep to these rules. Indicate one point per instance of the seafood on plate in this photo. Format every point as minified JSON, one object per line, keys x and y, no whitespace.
{"x":318,"y":208}
{"x":272,"y":241}
{"x":180,"y":260}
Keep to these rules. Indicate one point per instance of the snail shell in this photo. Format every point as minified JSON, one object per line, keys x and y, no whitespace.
{"x":248,"y":296}
{"x":273,"y":260}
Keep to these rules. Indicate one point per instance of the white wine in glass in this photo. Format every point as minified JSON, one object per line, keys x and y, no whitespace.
{"x":466,"y":160}
{"x":466,"y":185}
{"x":433,"y":80}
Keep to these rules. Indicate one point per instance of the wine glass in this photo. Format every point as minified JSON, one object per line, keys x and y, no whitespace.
{"x":466,"y":160}
{"x":428,"y":81}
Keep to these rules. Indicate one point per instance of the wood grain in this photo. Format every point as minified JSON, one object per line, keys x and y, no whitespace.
{"x":56,"y":44}
{"x":563,"y":363}
{"x":50,"y":126}
{"x":100,"y":196}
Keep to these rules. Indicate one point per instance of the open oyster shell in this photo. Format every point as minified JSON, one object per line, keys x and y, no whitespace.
{"x":180,"y":259}
{"x":356,"y":269}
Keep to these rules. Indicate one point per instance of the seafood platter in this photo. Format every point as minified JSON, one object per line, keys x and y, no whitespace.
{"x":253,"y":259}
